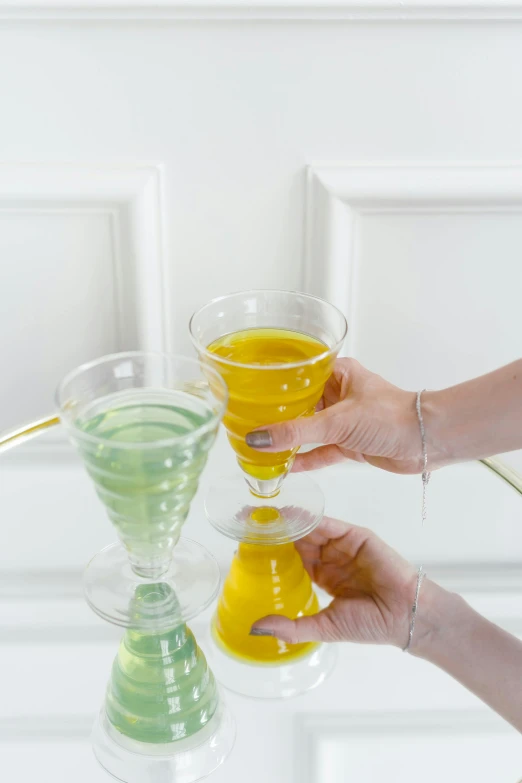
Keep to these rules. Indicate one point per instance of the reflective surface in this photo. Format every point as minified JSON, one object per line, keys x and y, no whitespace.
{"x":471,"y":543}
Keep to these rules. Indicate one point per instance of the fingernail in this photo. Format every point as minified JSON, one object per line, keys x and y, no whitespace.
{"x":261,"y":632}
{"x":259,"y":439}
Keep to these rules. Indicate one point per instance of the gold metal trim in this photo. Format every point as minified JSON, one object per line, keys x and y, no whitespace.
{"x":507,"y":473}
{"x":16,"y":437}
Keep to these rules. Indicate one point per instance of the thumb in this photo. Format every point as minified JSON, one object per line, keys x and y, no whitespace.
{"x":315,"y":628}
{"x":323,"y":427}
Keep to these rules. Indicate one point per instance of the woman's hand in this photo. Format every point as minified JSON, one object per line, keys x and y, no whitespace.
{"x":372,"y":588}
{"x":361,"y":416}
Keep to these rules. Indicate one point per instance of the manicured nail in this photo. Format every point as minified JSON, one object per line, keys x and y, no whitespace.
{"x":261,"y":632}
{"x":259,"y":440}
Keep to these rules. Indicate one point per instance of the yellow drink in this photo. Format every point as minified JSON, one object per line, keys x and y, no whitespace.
{"x":272,"y":380}
{"x":263,"y":580}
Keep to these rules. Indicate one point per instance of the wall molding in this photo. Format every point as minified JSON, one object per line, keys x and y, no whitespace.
{"x":339,"y":194}
{"x":312,"y":729}
{"x":31,"y":728}
{"x":263,"y":10}
{"x":132,"y":197}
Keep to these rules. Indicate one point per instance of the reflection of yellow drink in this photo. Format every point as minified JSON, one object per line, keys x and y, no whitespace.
{"x":263,"y":580}
{"x":274,"y":384}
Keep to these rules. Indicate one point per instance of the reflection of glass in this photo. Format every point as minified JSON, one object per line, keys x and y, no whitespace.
{"x":263,"y":580}
{"x":275,"y":350}
{"x":162,"y":718}
{"x":144,"y":424}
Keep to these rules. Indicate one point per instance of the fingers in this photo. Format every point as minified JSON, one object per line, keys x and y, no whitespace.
{"x":316,"y":628}
{"x":323,"y":457}
{"x":323,"y":427}
{"x":327,"y":529}
{"x":331,"y":541}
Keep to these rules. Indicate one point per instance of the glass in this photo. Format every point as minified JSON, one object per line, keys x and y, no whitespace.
{"x":143,"y":424}
{"x":275,"y":350}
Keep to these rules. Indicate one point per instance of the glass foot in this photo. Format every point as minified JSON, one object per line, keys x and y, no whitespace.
{"x":184,"y":761}
{"x":239,"y":514}
{"x":270,"y":681}
{"x":189,"y":586}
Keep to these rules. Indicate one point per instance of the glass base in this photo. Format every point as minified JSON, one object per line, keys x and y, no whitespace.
{"x":270,"y":681}
{"x":189,"y":586}
{"x":184,"y":761}
{"x":239,"y":514}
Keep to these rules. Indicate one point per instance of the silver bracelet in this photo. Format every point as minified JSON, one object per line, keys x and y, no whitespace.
{"x":420,"y":577}
{"x":425,"y":479}
{"x":425,"y":473}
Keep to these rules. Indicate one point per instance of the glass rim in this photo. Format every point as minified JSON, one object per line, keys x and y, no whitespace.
{"x":165,"y":442}
{"x":290,"y":365}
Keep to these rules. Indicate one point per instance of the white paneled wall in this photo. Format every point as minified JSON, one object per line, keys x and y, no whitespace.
{"x":154,"y":155}
{"x":426,"y":262}
{"x":82,"y":272}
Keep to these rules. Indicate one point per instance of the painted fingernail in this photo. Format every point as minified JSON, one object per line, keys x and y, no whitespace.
{"x":261,"y":632}
{"x":259,"y":440}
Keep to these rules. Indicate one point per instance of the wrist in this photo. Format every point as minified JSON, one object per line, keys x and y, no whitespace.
{"x":440,"y":430}
{"x":441,"y":617}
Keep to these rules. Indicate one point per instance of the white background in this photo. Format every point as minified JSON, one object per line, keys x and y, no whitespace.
{"x":153,"y":158}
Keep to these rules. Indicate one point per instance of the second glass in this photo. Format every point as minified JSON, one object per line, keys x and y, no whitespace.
{"x":275,"y":350}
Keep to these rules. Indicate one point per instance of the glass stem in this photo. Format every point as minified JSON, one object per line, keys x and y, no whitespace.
{"x":264,"y":488}
{"x":149,"y":567}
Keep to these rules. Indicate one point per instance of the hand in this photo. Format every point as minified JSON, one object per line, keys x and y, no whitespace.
{"x":361,"y":417}
{"x":373,"y":590}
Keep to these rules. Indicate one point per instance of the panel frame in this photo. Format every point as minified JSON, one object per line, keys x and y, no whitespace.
{"x":264,"y":10}
{"x":311,"y":729}
{"x":132,"y":197}
{"x":338,"y":194}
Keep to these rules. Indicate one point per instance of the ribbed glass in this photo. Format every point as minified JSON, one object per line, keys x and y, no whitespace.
{"x":144,"y":424}
{"x":161,"y":688}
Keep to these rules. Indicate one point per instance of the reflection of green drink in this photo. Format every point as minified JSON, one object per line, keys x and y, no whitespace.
{"x":145,"y":484}
{"x":161,"y":689}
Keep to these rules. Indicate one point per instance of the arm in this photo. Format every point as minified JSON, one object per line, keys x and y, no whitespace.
{"x":363,"y":417}
{"x":477,"y":653}
{"x":475,"y":419}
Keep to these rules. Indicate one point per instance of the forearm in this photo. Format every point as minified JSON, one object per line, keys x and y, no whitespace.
{"x":475,"y":419}
{"x":477,"y":653}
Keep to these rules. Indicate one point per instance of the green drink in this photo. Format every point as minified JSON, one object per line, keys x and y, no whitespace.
{"x":161,"y":689}
{"x":146,"y":466}
{"x":143,"y":424}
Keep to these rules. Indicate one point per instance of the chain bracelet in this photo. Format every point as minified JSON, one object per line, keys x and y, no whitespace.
{"x":425,"y":480}
{"x":420,"y":576}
